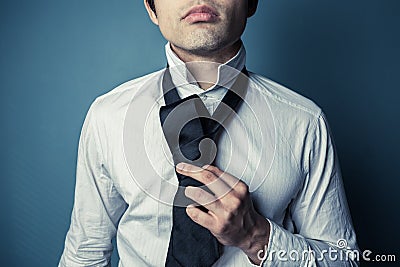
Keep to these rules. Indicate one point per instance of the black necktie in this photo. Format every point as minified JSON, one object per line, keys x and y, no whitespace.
{"x":190,"y":132}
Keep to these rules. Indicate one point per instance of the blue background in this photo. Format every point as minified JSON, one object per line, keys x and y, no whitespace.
{"x":57,"y":56}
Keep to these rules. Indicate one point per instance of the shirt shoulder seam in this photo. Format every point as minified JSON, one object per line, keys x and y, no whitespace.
{"x":315,"y":112}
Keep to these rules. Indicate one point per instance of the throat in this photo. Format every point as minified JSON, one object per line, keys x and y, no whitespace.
{"x":205,"y":74}
{"x":203,"y":70}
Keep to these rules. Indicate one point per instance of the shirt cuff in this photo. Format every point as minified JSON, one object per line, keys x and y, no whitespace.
{"x":281,"y":243}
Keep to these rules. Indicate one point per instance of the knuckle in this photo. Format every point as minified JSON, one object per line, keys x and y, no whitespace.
{"x":242,"y":188}
{"x":188,"y":168}
{"x":233,"y":207}
{"x":214,"y":170}
{"x":207,"y":176}
{"x":198,"y":194}
{"x":235,"y":204}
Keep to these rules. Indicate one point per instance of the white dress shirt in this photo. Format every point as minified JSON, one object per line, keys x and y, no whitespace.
{"x":278,"y":143}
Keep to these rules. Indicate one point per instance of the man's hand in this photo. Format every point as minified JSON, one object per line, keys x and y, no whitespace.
{"x":231,"y":216}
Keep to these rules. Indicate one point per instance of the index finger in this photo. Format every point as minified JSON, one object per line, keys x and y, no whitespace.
{"x":230,"y":180}
{"x":208,"y":178}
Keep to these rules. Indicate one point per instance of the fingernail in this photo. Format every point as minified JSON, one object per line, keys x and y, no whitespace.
{"x":187,"y":191}
{"x":206,"y":166}
{"x":189,"y":210}
{"x":181,"y":166}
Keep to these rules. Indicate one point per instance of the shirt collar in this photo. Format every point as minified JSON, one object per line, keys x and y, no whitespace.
{"x":184,"y":81}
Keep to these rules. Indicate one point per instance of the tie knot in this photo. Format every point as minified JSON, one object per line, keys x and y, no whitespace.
{"x":191,"y":132}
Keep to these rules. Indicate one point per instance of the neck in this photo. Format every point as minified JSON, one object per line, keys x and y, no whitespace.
{"x":204,"y":68}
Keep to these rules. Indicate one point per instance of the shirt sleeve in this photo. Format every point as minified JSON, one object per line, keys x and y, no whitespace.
{"x":323,"y":233}
{"x":97,"y":205}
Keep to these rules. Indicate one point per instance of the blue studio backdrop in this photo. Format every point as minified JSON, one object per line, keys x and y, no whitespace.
{"x":58,"y":55}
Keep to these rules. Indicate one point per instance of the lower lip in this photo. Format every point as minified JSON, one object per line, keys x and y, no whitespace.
{"x":201,"y":17}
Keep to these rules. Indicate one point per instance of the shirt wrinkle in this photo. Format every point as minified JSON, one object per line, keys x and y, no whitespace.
{"x":108,"y":191}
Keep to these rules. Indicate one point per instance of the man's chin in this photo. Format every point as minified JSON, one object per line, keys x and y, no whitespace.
{"x":204,"y":51}
{"x":205,"y":48}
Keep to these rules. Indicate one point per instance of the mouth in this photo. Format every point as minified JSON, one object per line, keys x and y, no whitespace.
{"x":201,"y":13}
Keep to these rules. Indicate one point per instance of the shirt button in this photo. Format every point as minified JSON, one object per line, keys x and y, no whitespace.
{"x":204,"y":97}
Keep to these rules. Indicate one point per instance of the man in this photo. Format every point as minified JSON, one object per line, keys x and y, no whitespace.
{"x":270,"y":195}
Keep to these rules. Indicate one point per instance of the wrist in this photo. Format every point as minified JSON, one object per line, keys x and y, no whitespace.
{"x":256,"y":245}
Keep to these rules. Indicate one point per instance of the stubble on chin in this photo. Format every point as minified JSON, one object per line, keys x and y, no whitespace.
{"x":202,"y":41}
